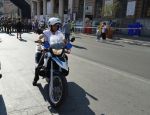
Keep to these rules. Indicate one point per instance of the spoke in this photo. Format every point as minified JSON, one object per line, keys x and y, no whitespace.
{"x":57,"y":89}
{"x":58,"y":97}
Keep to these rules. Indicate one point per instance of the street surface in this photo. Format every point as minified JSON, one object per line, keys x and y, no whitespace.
{"x":109,"y":78}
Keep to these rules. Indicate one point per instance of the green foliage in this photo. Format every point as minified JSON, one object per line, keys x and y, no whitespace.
{"x":148,"y":12}
{"x":108,"y":10}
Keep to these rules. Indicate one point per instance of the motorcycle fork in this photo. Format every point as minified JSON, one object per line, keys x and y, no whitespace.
{"x":51,"y":77}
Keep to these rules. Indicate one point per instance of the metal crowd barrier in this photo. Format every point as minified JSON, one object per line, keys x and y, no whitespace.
{"x":92,"y":30}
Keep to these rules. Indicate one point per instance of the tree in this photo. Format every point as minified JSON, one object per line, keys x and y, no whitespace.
{"x":109,"y":10}
{"x":148,"y":12}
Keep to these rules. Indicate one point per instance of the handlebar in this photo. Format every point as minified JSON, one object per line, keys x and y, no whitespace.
{"x":38,"y":42}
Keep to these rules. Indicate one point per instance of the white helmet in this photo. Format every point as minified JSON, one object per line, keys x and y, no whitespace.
{"x":53,"y":21}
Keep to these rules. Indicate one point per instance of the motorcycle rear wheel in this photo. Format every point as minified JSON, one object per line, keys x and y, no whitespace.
{"x":59,"y":91}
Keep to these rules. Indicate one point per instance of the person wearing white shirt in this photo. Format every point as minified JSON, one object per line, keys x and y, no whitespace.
{"x":104,"y":31}
{"x":54,"y":24}
{"x":98,"y":35}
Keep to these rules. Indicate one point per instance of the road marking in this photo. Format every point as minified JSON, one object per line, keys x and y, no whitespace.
{"x":112,"y":69}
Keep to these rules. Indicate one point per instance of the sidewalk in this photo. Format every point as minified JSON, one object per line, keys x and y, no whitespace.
{"x":133,"y":40}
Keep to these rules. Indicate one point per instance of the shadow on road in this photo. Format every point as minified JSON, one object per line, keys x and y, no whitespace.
{"x":11,"y":35}
{"x":2,"y":32}
{"x":76,"y":37}
{"x":80,"y":47}
{"x":22,"y":40}
{"x":76,"y":102}
{"x":3,"y":110}
{"x":114,"y":44}
{"x":29,"y":33}
{"x":44,"y":91}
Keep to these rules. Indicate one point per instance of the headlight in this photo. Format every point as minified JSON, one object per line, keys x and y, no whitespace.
{"x":57,"y":52}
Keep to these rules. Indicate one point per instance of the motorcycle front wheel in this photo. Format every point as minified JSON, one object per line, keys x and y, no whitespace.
{"x":59,"y":92}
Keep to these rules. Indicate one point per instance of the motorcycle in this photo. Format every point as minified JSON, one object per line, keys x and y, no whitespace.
{"x":55,"y":68}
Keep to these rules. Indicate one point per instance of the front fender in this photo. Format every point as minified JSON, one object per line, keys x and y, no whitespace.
{"x":55,"y":73}
{"x":62,"y":64}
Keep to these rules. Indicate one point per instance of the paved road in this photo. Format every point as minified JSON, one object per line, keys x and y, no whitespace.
{"x":99,"y":82}
{"x":115,"y":53}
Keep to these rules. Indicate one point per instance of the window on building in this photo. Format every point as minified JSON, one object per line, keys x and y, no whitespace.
{"x":98,"y":5}
{"x":41,"y":8}
{"x":121,"y":13}
{"x":81,"y":7}
{"x":146,"y":5}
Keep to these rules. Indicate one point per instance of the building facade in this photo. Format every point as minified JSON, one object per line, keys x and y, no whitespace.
{"x":44,"y":9}
{"x":1,"y":8}
{"x":73,"y":9}
{"x":93,"y":8}
{"x":129,"y":11}
{"x":6,"y":8}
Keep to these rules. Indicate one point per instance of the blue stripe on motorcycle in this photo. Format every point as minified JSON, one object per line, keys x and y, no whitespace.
{"x":58,"y":60}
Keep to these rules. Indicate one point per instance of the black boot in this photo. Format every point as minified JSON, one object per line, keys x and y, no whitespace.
{"x":36,"y":78}
{"x":34,"y":83}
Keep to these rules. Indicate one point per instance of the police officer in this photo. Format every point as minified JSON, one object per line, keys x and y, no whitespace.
{"x":5,"y":24}
{"x":13,"y":24}
{"x":2,"y":21}
{"x":9,"y":24}
{"x":23,"y":25}
{"x":0,"y":24}
{"x":26,"y":24}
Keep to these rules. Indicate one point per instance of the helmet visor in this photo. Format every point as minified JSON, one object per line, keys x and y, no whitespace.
{"x":57,"y":24}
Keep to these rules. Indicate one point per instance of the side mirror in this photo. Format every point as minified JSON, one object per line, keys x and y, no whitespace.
{"x":39,"y":31}
{"x":46,"y":45}
{"x":69,"y":46}
{"x":72,"y":39}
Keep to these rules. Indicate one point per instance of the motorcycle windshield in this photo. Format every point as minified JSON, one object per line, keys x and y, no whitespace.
{"x":56,"y":42}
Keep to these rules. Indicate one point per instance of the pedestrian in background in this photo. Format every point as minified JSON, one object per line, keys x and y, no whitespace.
{"x":19,"y":27}
{"x":29,"y":25}
{"x":33,"y":25}
{"x":98,"y":35}
{"x":5,"y":24}
{"x":66,"y":27}
{"x":42,"y":25}
{"x":104,"y":31}
{"x":111,"y":24}
{"x":71,"y":26}
{"x":13,"y":24}
{"x":60,"y":27}
{"x":0,"y":24}
{"x":36,"y":26}
{"x":9,"y":25}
